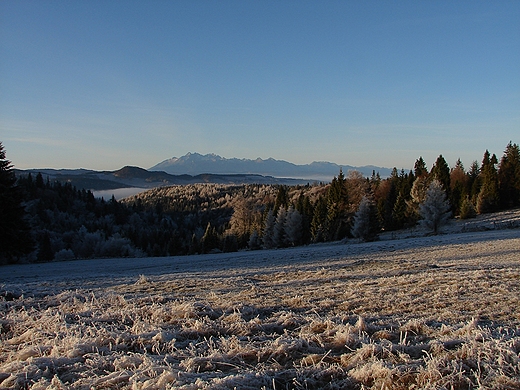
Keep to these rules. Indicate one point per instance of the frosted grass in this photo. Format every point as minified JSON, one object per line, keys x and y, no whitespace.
{"x":432,"y":313}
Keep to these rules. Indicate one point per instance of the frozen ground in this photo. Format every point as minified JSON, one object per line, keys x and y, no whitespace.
{"x":405,"y":312}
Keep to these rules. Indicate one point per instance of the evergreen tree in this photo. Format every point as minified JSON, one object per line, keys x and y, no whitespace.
{"x":435,"y":210}
{"x":210,"y":239}
{"x":420,"y":169}
{"x":417,"y":196}
{"x":268,"y":233}
{"x":387,"y":196}
{"x":15,"y":236}
{"x":293,"y":227}
{"x":509,"y":177}
{"x":399,"y":211}
{"x":458,"y":182}
{"x":488,"y":199}
{"x":366,"y":226}
{"x":337,"y":208}
{"x":279,"y":237}
{"x":441,"y":173}
{"x":282,"y":198}
{"x":473,"y":184}
{"x":375,"y":181}
{"x":467,"y":209}
{"x":45,"y":252}
{"x":306,"y":211}
{"x":254,"y":241}
{"x":319,"y":220}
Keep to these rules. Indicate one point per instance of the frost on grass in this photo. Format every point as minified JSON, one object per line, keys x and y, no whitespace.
{"x":388,"y":321}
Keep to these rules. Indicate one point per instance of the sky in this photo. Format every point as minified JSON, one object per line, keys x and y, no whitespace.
{"x":101,"y":84}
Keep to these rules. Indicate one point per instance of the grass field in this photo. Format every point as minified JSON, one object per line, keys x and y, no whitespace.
{"x":424,"y":313}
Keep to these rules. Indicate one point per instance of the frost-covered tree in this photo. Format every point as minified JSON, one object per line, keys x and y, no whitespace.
{"x":254,"y":241}
{"x":417,"y":196}
{"x":279,"y":237}
{"x":467,"y":210}
{"x":366,"y":226}
{"x":293,"y":227}
{"x":435,"y":210}
{"x":268,"y":233}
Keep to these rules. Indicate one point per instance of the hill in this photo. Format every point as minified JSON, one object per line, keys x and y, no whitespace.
{"x":135,"y":177}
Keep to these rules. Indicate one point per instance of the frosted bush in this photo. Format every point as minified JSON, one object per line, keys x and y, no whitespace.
{"x":64,"y":255}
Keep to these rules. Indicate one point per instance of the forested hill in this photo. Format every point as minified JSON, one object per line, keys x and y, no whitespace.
{"x":128,"y":177}
{"x":51,"y":220}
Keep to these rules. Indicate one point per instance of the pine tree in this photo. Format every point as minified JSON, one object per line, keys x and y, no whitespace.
{"x":467,"y":210}
{"x":441,"y":172}
{"x":458,"y":182}
{"x":279,"y":237}
{"x":366,"y":226}
{"x":337,"y":208}
{"x":435,"y":210}
{"x":293,"y":227}
{"x":399,"y":211}
{"x":254,"y":241}
{"x":420,"y":169}
{"x":319,"y":220}
{"x":268,"y":233}
{"x":509,"y":177}
{"x":15,"y":237}
{"x":417,"y":196}
{"x":386,"y":201}
{"x":488,"y":199}
{"x":282,"y":198}
{"x":210,"y":239}
{"x":473,"y":184}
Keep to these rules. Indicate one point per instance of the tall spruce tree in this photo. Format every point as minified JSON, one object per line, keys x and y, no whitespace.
{"x":319,"y":220}
{"x":15,"y":237}
{"x":420,"y":169}
{"x":268,"y":232}
{"x":366,"y":224}
{"x":441,"y":172}
{"x":458,"y":182}
{"x":488,"y":199}
{"x":509,"y":177}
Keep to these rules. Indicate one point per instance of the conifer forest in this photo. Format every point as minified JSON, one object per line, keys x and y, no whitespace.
{"x":46,"y":221}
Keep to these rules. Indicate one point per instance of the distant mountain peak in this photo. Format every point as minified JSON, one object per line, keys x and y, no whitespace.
{"x":193,"y":163}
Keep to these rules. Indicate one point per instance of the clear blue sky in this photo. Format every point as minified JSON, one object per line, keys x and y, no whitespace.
{"x":103,"y":84}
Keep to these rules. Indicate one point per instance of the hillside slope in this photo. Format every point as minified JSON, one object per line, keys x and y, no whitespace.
{"x":430,"y":312}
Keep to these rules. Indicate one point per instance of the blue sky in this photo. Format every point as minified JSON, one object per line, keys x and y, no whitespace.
{"x":103,"y":84}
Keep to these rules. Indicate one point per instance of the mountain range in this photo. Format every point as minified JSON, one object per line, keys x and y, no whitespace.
{"x":196,"y":164}
{"x":196,"y":168}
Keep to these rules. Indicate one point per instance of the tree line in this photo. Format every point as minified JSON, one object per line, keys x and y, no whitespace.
{"x":45,"y":221}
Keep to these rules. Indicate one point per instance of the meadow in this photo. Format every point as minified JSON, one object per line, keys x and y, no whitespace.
{"x":423,"y":312}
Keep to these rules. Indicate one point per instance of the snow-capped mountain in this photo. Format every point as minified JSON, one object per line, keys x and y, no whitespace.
{"x":196,"y":164}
